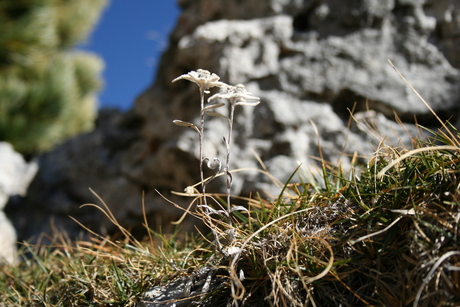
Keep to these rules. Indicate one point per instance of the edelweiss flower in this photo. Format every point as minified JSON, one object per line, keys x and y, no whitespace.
{"x":237,"y":95}
{"x":203,"y":78}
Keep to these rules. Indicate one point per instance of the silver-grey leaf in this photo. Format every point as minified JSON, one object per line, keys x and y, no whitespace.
{"x":186,"y":124}
{"x":239,"y":208}
{"x":213,"y":211}
{"x":215,"y":114}
{"x":213,"y":106}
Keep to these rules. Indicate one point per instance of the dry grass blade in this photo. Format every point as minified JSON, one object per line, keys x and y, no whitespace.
{"x":453,"y":138}
{"x":430,"y":274}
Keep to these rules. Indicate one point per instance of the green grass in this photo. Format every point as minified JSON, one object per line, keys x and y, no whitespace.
{"x":95,"y":273}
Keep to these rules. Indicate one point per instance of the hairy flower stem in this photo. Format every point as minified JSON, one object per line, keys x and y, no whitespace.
{"x":227,"y":163}
{"x":203,"y":183}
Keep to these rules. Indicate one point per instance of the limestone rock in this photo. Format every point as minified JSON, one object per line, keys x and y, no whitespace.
{"x":92,"y":161}
{"x":310,"y":62}
{"x":15,"y":176}
{"x":15,"y":173}
{"x":7,"y":240}
{"x":187,"y":290}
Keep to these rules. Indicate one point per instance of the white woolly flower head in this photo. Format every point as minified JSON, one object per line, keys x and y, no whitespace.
{"x":237,"y":95}
{"x":203,"y":78}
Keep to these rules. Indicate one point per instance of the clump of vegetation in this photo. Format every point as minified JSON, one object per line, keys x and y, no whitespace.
{"x":381,"y":234}
{"x":47,"y":89}
{"x":384,"y":237}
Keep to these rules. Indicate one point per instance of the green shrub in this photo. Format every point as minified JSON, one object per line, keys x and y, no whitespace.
{"x":47,"y":90}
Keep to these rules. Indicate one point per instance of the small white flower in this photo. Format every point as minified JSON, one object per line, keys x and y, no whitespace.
{"x":203,"y":78}
{"x":190,"y":190}
{"x":237,"y":95}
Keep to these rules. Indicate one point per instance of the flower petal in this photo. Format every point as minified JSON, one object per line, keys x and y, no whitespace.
{"x":244,"y":103}
{"x":239,"y":208}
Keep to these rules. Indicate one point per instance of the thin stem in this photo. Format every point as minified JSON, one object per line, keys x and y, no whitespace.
{"x":203,"y":183}
{"x":227,"y":163}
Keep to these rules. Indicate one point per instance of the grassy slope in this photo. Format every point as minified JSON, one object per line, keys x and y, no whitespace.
{"x":383,"y":234}
{"x":384,"y":237}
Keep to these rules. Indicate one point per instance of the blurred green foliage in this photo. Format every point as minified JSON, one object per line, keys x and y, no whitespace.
{"x":47,"y":88}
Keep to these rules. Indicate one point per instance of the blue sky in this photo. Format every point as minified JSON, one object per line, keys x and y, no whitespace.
{"x":130,"y":37}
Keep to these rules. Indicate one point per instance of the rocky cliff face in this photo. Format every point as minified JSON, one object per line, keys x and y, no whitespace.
{"x":309,"y":62}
